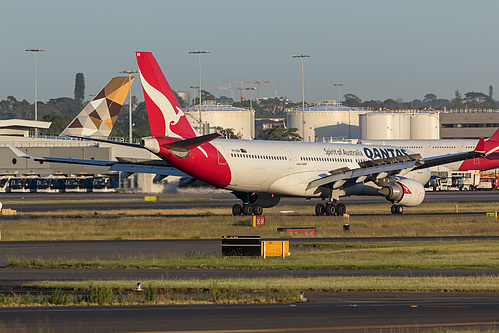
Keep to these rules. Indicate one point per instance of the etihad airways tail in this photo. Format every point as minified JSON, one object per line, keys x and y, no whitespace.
{"x":98,"y":117}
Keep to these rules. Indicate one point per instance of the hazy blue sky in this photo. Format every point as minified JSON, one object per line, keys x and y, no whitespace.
{"x":377,"y":49}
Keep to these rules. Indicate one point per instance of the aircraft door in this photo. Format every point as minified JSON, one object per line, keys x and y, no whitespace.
{"x":221,"y":155}
{"x":290,"y":159}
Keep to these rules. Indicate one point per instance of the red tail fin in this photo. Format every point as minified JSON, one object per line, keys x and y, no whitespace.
{"x":166,"y":117}
{"x":495,"y":136}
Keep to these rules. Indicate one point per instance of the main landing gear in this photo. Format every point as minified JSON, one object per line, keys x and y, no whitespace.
{"x":247,"y":209}
{"x":330,"y":209}
{"x":396,"y":209}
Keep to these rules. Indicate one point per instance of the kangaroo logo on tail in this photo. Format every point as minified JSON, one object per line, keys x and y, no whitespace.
{"x":166,"y":117}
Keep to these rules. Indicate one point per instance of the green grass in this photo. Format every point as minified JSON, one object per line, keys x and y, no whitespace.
{"x":294,"y":285}
{"x":348,"y":256}
{"x":25,"y":228}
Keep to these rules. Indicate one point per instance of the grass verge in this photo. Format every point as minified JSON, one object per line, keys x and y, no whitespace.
{"x":347,"y":256}
{"x":121,"y":227}
{"x":292,"y":285}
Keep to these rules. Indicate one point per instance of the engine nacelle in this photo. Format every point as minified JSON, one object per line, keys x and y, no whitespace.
{"x":266,"y":200}
{"x":404,"y":192}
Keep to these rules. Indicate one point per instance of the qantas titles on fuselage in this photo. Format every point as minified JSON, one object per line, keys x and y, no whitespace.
{"x":370,"y":153}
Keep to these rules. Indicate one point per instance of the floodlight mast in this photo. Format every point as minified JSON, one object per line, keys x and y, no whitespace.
{"x":339,"y":85}
{"x":199,"y":52}
{"x":129,"y":72}
{"x":35,"y":51}
{"x":302,"y":94}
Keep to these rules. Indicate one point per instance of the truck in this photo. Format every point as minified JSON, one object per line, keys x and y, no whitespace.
{"x":465,"y":180}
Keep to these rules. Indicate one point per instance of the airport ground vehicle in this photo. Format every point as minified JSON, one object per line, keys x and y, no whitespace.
{"x":462,"y":181}
{"x":59,"y":183}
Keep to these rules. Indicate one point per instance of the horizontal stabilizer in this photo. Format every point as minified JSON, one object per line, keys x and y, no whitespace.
{"x":194,"y":142}
{"x":128,"y":144}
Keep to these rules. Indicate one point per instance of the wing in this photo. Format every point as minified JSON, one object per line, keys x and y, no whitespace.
{"x":478,"y":152}
{"x":369,"y":170}
{"x":128,"y":166}
{"x":381,"y":168}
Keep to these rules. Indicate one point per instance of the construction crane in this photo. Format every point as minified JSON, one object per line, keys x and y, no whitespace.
{"x":241,"y":97}
{"x":259,"y":83}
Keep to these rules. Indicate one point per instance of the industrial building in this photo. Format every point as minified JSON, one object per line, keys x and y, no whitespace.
{"x":468,"y":123}
{"x":330,"y":121}
{"x":14,"y":133}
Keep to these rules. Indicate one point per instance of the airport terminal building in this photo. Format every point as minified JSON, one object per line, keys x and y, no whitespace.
{"x":21,"y":134}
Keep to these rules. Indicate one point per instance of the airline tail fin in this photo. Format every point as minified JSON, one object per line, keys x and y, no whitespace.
{"x":99,"y":116}
{"x":495,"y":136}
{"x":166,"y":117}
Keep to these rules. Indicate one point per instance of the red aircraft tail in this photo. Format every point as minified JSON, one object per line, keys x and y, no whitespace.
{"x":166,"y":117}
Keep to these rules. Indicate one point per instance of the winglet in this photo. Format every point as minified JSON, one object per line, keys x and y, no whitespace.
{"x":18,"y":152}
{"x":480,"y":147}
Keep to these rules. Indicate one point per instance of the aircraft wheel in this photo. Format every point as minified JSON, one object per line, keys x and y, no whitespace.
{"x":330,"y":209}
{"x":247,"y":209}
{"x":340,"y":209}
{"x":257,"y":209}
{"x":396,"y":209}
{"x":319,"y":210}
{"x":237,"y":210}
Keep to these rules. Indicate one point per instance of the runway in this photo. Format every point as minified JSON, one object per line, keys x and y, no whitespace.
{"x":340,"y":312}
{"x":202,"y":198}
{"x":344,"y":311}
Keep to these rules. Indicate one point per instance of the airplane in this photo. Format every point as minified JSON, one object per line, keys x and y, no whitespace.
{"x":445,"y":146}
{"x":259,"y":173}
{"x":99,"y":115}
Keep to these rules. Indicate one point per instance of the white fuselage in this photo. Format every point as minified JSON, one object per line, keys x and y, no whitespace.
{"x":286,"y":168}
{"x":429,"y":148}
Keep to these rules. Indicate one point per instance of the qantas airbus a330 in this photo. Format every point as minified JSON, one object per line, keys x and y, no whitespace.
{"x":261,"y":172}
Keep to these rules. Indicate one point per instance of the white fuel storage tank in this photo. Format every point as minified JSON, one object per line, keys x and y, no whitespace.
{"x":385,"y":126}
{"x":425,"y":125}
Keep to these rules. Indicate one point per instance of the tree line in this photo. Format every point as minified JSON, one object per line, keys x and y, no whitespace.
{"x":60,"y":111}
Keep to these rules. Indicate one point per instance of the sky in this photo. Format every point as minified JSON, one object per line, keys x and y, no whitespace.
{"x":376,"y":49}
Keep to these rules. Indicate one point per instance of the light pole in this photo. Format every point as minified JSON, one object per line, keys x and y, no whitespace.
{"x":302,"y":94}
{"x":199,"y":52}
{"x":35,"y":51}
{"x":129,"y":72}
{"x":339,"y":85}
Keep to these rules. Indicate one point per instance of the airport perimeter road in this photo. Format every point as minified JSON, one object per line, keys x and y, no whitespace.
{"x":339,"y":312}
{"x":203,"y":198}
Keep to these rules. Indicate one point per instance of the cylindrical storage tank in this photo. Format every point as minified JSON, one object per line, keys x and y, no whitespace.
{"x":185,"y":96}
{"x":386,"y":126}
{"x":363,"y":126}
{"x":242,"y":121}
{"x":325,"y":121}
{"x":425,"y":125}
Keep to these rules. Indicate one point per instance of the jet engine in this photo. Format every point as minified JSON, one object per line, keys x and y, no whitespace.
{"x":266,"y":200}
{"x":404,"y":192}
